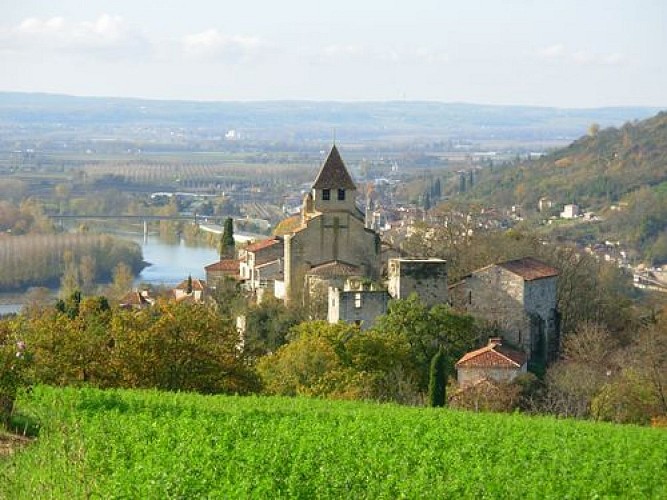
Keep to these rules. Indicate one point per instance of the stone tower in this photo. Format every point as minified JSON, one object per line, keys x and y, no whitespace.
{"x":425,"y":277}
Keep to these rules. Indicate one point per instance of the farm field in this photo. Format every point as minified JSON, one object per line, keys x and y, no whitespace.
{"x":148,"y":444}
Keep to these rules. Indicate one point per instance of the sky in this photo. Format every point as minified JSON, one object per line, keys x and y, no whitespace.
{"x":563,"y":53}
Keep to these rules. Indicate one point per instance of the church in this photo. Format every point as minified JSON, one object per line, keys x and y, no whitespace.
{"x":332,"y":242}
{"x":326,"y":245}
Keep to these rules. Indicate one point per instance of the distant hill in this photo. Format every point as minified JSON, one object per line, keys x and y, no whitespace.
{"x":305,"y":120}
{"x":593,"y":171}
{"x":624,"y":166}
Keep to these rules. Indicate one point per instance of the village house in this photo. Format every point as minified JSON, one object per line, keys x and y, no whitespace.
{"x":136,"y":299}
{"x":223,"y":269}
{"x":518,"y":299}
{"x":190,"y":289}
{"x":494,"y":362}
{"x":570,"y":212}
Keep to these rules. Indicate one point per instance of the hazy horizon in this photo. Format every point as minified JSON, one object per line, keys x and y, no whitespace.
{"x":568,"y":54}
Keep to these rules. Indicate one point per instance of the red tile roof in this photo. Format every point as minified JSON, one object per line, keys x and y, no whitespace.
{"x":530,"y":269}
{"x":493,"y":355}
{"x":333,"y":173}
{"x":225,"y":266}
{"x":260,"y":245}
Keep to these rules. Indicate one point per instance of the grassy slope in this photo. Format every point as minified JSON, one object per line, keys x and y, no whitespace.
{"x":135,"y":444}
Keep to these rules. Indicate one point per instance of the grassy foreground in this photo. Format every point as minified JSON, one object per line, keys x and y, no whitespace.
{"x":147,"y":444}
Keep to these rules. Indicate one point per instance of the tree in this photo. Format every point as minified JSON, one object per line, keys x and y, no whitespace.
{"x":437,"y":380}
{"x":122,"y":280}
{"x":227,"y":240}
{"x":593,"y":129}
{"x":69,"y":282}
{"x":340,"y":361}
{"x":188,"y":289}
{"x":426,"y":200}
{"x":426,"y":330}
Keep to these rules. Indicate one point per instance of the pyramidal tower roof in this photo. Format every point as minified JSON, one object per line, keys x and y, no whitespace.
{"x":333,"y":173}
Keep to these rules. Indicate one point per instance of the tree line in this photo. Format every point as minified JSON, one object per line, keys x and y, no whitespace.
{"x":42,"y":259}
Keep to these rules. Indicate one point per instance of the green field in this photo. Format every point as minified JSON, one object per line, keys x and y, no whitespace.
{"x":147,"y":444}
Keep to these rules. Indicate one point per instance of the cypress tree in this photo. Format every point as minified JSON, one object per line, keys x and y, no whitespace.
{"x":227,"y":239}
{"x":188,"y":290}
{"x":436,"y":382}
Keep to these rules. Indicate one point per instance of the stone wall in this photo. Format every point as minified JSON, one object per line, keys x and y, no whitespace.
{"x":425,"y":277}
{"x":524,"y":312}
{"x":469,"y":376}
{"x":332,"y":236}
{"x":496,"y":296}
{"x":357,"y":306}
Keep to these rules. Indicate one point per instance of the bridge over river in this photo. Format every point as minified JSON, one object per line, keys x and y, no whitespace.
{"x":208,"y":223}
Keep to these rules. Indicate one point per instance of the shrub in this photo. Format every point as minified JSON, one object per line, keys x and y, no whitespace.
{"x":14,"y":360}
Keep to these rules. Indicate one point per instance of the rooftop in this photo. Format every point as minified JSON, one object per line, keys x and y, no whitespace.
{"x":493,"y":355}
{"x":529,"y":268}
{"x":333,"y":173}
{"x":225,"y":266}
{"x":197,"y":284}
{"x":260,"y":245}
{"x":334,"y":269}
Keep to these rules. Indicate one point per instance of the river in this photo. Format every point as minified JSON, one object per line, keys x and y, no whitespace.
{"x":170,"y":263}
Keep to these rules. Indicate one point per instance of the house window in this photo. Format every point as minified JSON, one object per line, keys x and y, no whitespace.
{"x":341,"y":194}
{"x":326,"y":194}
{"x":357,"y":300}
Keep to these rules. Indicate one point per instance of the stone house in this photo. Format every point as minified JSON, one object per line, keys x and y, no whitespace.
{"x":225,"y":268}
{"x":181,"y":292}
{"x":518,"y":299}
{"x":494,"y":362}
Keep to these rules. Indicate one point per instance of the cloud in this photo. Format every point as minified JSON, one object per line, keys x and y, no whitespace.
{"x":558,"y":52}
{"x":108,"y":35}
{"x":211,"y":44}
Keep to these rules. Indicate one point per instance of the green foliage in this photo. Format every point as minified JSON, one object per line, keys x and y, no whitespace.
{"x":169,"y":346}
{"x":149,"y":444}
{"x":227,"y":240}
{"x":43,"y":259}
{"x":603,"y":168}
{"x":15,"y":360}
{"x":437,"y":382}
{"x":427,"y":331}
{"x":267,"y":325}
{"x":340,"y":361}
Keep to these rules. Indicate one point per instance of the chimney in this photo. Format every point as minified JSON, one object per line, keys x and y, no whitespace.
{"x":494,"y":341}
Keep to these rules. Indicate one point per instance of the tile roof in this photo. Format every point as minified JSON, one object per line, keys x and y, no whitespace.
{"x":493,"y":355}
{"x":197,"y":284}
{"x":333,"y":173}
{"x":334,"y":269}
{"x":260,"y":245}
{"x":133,"y":298}
{"x":288,"y":225}
{"x":225,"y":266}
{"x":529,"y":269}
